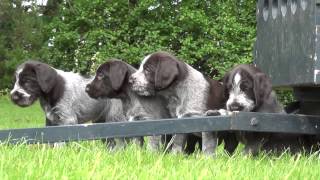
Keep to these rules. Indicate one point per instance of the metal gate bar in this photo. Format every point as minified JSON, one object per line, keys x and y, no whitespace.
{"x":242,"y":121}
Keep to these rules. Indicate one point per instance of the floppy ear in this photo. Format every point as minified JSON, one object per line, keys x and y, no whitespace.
{"x":225,"y":78}
{"x":117,"y":73}
{"x":225,"y":82}
{"x":46,"y":76}
{"x":166,"y":72}
{"x":262,"y":87}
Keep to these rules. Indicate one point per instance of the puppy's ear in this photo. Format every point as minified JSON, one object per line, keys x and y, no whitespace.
{"x":225,"y":81}
{"x":46,"y":76}
{"x":225,"y":78}
{"x":117,"y":73}
{"x":166,"y":72}
{"x":262,"y":87}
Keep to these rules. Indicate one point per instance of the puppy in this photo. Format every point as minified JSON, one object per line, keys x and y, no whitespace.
{"x":111,"y":81}
{"x":185,"y":90}
{"x":62,"y":96}
{"x":249,"y":89}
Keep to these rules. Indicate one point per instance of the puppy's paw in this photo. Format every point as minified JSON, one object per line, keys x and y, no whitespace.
{"x":154,"y":143}
{"x":191,"y":114}
{"x":212,"y":113}
{"x":177,"y":150}
{"x":220,"y":112}
{"x":209,"y":153}
{"x":153,"y":147}
{"x":250,"y":151}
{"x":58,"y":144}
{"x":138,"y":141}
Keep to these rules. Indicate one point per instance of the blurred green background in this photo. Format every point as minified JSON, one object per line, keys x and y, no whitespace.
{"x":78,"y":35}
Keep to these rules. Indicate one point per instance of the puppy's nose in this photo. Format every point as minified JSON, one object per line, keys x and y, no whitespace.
{"x":235,"y":107}
{"x":131,"y":79}
{"x":16,"y":95}
{"x":87,"y":88}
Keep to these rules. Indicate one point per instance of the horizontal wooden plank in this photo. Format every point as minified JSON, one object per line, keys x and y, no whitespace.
{"x":258,"y":122}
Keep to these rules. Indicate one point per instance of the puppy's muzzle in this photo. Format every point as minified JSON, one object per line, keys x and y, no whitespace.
{"x":235,"y":106}
{"x":21,"y":99}
{"x":16,"y":96}
{"x":132,"y":80}
{"x":91,"y":91}
{"x":88,"y":87}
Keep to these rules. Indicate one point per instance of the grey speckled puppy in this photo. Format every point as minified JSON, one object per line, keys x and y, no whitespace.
{"x":187,"y":92}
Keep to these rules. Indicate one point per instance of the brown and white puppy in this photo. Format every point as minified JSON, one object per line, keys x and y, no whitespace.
{"x":111,"y":81}
{"x":249,"y":89}
{"x":62,"y":96}
{"x":186,"y":92}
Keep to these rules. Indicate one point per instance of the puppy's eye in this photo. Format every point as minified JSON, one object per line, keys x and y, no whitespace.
{"x":146,"y":70}
{"x":25,"y":81}
{"x":100,"y":76}
{"x":244,"y":87}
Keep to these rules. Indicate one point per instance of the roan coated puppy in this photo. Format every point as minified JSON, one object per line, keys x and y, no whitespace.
{"x":186,"y":92}
{"x":111,"y":81}
{"x":62,"y":96}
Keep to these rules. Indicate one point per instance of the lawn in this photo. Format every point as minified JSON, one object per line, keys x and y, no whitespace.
{"x":91,"y":160}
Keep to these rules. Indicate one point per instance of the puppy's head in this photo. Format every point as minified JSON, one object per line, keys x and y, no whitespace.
{"x":157,"y":71}
{"x":246,"y":88}
{"x":32,"y":79}
{"x":109,"y":80}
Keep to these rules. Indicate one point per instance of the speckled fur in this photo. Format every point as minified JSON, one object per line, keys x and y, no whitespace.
{"x":76,"y":106}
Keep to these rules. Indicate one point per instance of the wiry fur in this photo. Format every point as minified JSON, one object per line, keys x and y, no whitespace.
{"x":250,"y":90}
{"x":244,"y":92}
{"x":75,"y":106}
{"x":135,"y":107}
{"x":185,"y":90}
{"x":188,"y":96}
{"x":237,"y":96}
{"x":17,"y":86}
{"x":66,"y":103}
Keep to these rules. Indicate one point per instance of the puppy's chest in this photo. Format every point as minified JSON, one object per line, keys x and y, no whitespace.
{"x":179,"y":106}
{"x":50,"y":114}
{"x":172,"y":105}
{"x":135,"y":110}
{"x":48,"y":110}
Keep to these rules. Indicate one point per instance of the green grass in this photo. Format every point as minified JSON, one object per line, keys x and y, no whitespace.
{"x":91,"y":160}
{"x":12,"y":116}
